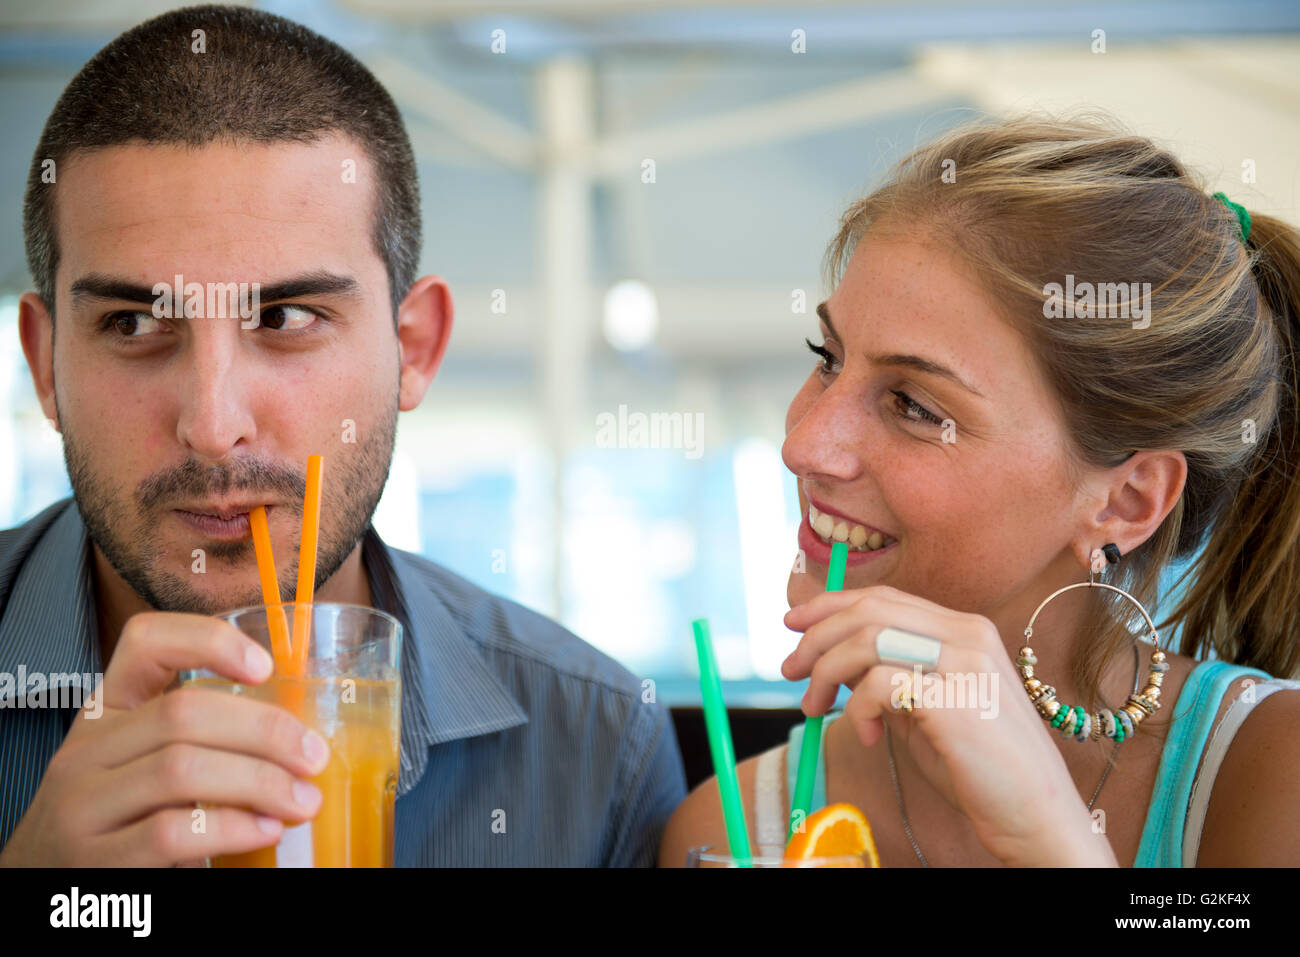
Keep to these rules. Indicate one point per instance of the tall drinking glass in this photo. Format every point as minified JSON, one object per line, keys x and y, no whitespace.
{"x":350,"y":692}
{"x":710,"y":856}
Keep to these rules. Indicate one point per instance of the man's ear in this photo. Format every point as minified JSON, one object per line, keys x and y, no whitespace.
{"x":423,"y":331}
{"x":36,"y":330}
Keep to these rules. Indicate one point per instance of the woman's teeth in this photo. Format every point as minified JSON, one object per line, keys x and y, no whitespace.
{"x":831,"y":528}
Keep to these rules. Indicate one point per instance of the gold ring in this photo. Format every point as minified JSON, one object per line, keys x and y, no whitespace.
{"x":907,"y":702}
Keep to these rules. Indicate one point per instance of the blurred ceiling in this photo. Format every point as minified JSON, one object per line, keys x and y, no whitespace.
{"x":838,"y":25}
{"x":758,"y":150}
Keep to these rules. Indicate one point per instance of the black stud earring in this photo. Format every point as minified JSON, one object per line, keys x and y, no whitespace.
{"x":1111,"y":553}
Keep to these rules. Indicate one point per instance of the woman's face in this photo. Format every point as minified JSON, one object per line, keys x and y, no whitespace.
{"x":970,"y":480}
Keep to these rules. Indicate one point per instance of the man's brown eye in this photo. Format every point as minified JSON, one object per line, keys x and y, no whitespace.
{"x":287,"y":317}
{"x":126,"y":325}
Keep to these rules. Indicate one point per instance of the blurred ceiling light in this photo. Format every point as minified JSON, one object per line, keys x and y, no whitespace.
{"x":631,"y":315}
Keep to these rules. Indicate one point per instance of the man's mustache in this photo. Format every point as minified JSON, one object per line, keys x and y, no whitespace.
{"x":192,"y":479}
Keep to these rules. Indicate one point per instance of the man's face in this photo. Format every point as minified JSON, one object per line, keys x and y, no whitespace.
{"x":162,"y":414}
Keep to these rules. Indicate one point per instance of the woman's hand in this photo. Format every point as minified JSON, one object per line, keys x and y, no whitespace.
{"x":993,"y":759}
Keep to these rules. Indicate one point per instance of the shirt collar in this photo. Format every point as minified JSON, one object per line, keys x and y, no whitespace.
{"x":49,"y":619}
{"x":440,"y":663}
{"x":50,"y":626}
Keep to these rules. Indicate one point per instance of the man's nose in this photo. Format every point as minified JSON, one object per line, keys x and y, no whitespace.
{"x":215,"y":413}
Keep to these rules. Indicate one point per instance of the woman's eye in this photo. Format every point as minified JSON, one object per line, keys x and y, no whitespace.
{"x":911,"y":410}
{"x":914,"y":411}
{"x":287,"y":317}
{"x":829,"y":362}
{"x":127,"y":324}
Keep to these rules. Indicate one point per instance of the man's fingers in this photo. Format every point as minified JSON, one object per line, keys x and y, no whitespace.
{"x":216,"y":719}
{"x":188,"y":774}
{"x":175,"y":835}
{"x":154,"y":646}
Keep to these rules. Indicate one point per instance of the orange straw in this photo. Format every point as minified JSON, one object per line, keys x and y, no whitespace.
{"x":270,"y":588}
{"x":307,"y":564}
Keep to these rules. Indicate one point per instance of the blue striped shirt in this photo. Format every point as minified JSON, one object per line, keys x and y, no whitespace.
{"x":521,"y":745}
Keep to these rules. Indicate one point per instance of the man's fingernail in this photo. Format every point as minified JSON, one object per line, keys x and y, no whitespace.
{"x":315,"y":748}
{"x":258,"y":662}
{"x":268,"y":825}
{"x":306,"y":795}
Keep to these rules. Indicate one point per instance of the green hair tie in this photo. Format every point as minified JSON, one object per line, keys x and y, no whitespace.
{"x":1243,"y":217}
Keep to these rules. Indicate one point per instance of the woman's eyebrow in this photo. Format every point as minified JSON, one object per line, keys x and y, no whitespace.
{"x":919,"y":363}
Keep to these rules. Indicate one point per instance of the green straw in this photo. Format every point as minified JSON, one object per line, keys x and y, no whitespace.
{"x":724,"y":757}
{"x":812,"y":727}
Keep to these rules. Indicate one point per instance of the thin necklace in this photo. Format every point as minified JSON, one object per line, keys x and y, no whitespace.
{"x":898,"y":793}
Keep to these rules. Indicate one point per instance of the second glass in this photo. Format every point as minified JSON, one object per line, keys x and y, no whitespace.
{"x":709,"y":856}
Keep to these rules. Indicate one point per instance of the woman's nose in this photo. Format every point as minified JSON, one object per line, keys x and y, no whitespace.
{"x":828,"y":433}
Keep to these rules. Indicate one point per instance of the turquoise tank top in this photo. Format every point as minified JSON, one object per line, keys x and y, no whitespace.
{"x":1162,"y":835}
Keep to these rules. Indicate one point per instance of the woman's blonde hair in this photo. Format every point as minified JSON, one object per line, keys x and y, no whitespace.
{"x":1029,"y":200}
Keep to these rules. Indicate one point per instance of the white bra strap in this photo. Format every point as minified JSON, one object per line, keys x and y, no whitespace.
{"x":1203,"y":787}
{"x":769,"y":804}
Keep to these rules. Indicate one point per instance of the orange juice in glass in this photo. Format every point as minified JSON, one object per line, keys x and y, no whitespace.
{"x":350,"y":693}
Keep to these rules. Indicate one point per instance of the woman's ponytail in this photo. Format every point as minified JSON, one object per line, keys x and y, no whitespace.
{"x":1246,"y":599}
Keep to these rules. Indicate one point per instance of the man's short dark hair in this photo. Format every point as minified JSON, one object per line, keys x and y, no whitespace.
{"x":262,"y":79}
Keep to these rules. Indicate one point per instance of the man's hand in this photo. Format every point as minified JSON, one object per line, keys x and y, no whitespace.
{"x":122,"y":788}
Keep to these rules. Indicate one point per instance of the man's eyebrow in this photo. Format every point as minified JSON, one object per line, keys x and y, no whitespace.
{"x":97,"y":286}
{"x":919,"y":363}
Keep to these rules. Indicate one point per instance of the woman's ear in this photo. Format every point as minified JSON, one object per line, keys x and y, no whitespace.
{"x":1138,"y":494}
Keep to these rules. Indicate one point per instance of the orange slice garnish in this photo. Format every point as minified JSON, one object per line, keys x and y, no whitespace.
{"x":837,"y":830}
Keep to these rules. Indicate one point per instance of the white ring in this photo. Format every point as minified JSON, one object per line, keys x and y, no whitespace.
{"x":894,"y":646}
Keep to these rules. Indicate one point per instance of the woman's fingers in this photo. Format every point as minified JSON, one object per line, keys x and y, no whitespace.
{"x":847,"y":662}
{"x":865,"y":711}
{"x":802,"y":617}
{"x":855,"y":620}
{"x":934,"y":732}
{"x":845,"y":619}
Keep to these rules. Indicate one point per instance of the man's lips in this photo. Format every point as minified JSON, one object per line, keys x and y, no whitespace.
{"x":225,"y":521}
{"x":235,"y":528}
{"x":223,"y":512}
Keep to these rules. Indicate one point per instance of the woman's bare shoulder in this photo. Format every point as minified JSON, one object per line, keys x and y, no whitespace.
{"x":698,"y":819}
{"x":1251,"y":821}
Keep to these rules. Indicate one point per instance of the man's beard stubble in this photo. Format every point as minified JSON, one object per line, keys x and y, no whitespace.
{"x":121,"y":524}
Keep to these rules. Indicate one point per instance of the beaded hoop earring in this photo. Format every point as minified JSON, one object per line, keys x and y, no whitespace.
{"x":1071,"y":720}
